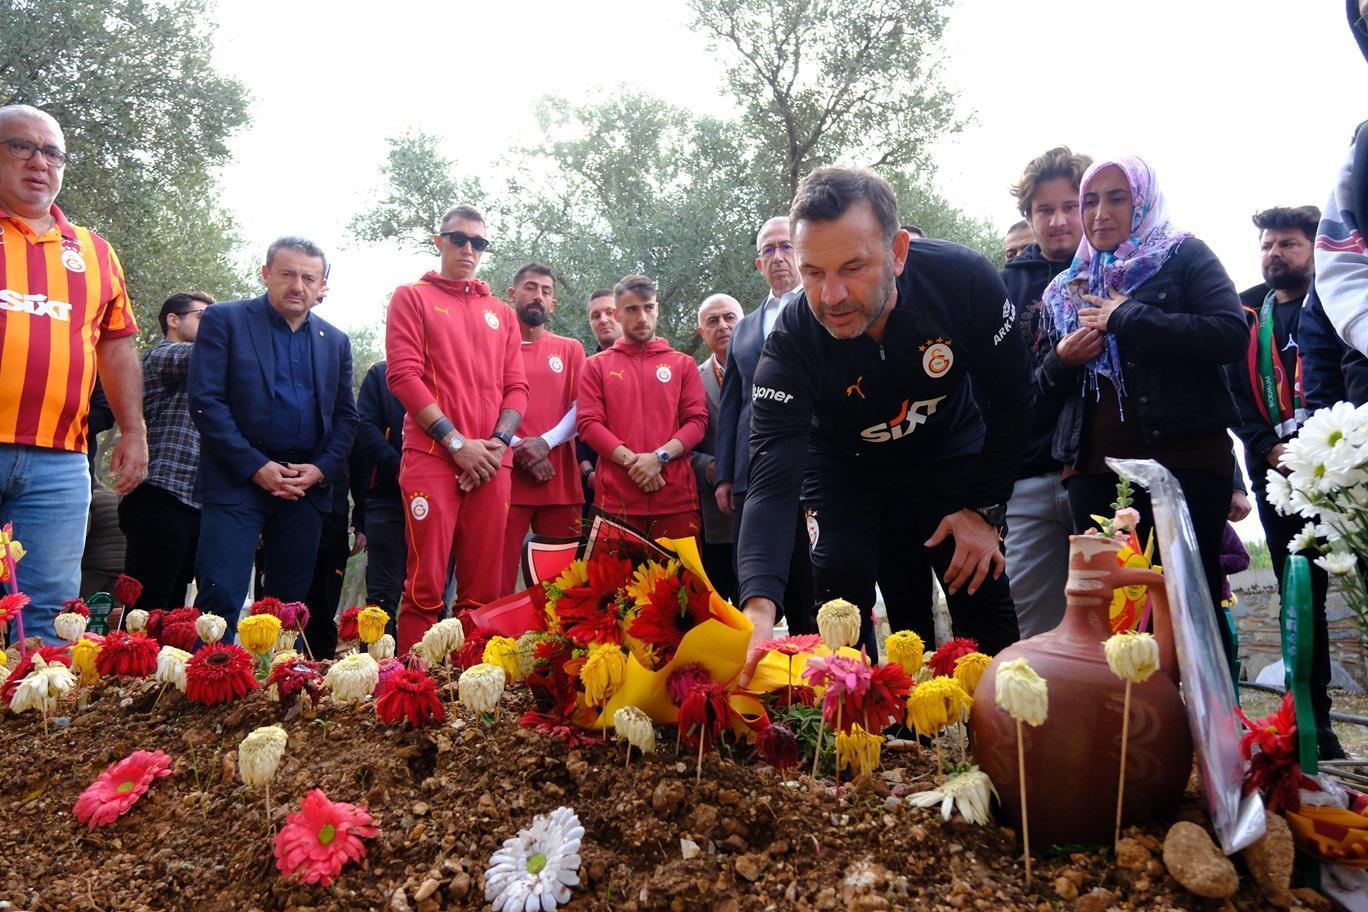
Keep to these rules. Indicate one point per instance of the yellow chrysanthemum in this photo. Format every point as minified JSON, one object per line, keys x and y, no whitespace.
{"x":1021,"y":692}
{"x":969,"y":669}
{"x":603,"y":672}
{"x":905,"y":648}
{"x":370,"y":623}
{"x":859,"y":750}
{"x":936,"y":703}
{"x":527,"y":652}
{"x":83,"y":654}
{"x":503,"y":652}
{"x":258,"y":633}
{"x":838,"y":621}
{"x":576,"y":574}
{"x":1132,"y":656}
{"x":644,"y":580}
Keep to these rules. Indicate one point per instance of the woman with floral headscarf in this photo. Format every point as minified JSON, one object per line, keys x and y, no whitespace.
{"x":1143,"y":319}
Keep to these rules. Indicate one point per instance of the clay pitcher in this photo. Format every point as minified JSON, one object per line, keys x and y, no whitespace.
{"x":1073,"y":759}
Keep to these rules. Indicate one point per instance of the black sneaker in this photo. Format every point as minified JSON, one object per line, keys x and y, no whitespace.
{"x":1329,"y":745}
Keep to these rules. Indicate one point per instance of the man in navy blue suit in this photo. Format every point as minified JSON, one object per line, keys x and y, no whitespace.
{"x":271,"y":393}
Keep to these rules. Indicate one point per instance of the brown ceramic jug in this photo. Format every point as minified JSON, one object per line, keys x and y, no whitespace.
{"x":1073,"y":759}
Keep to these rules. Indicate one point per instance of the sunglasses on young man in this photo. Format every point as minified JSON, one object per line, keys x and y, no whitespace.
{"x":460,"y":239}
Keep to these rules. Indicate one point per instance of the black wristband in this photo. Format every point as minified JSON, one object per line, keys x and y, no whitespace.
{"x":503,"y":437}
{"x":439,"y":429}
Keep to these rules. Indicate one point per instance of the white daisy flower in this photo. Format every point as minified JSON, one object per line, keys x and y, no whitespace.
{"x":43,"y":687}
{"x":1305,"y":540}
{"x":353,"y":677}
{"x":70,"y":626}
{"x":1337,"y":563}
{"x":480,"y":687}
{"x":171,"y":667}
{"x":210,"y":628}
{"x":259,"y":754}
{"x":1278,"y":491}
{"x":969,"y":792}
{"x":536,"y":869}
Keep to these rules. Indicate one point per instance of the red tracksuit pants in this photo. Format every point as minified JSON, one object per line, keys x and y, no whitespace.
{"x":553,"y":520}
{"x":440,"y":521}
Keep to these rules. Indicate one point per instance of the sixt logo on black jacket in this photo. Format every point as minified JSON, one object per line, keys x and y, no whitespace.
{"x":904,"y":423}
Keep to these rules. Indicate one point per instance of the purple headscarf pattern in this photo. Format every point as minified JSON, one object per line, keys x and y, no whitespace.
{"x":1151,"y":242}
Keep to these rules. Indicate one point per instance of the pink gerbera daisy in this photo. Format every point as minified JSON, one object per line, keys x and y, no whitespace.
{"x":792,"y":645}
{"x":319,"y":839}
{"x":120,"y":786}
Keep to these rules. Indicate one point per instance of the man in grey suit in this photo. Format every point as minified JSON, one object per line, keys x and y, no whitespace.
{"x":717,"y":319}
{"x":774,"y":259}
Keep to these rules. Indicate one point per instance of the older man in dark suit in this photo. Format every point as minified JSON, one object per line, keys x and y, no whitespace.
{"x":271,"y":394}
{"x":717,"y":319}
{"x":774,"y":259}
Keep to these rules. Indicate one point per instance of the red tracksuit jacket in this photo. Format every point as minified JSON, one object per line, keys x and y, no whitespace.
{"x":449,"y":342}
{"x":640,"y":396}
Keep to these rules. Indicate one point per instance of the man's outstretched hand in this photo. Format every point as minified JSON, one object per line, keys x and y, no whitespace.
{"x":978,"y":550}
{"x":761,"y":612}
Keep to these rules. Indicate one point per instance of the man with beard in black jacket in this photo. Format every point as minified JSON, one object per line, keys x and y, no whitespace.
{"x":863,"y":405}
{"x":1039,"y":520}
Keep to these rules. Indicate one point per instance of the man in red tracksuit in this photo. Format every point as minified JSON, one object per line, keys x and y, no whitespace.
{"x":642,"y":408}
{"x":455,"y":364}
{"x":546,"y":486}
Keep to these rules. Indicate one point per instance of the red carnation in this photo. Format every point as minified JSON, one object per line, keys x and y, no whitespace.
{"x":126,"y":654}
{"x":127,"y":590}
{"x":410,"y":695}
{"x":472,"y":651}
{"x":291,"y":678}
{"x":268,"y":605}
{"x":50,"y":654}
{"x":218,"y":673}
{"x":705,"y":713}
{"x":11,"y":604}
{"x":76,"y":606}
{"x":778,"y":746}
{"x":346,"y":625}
{"x":120,"y":786}
{"x":942,"y":661}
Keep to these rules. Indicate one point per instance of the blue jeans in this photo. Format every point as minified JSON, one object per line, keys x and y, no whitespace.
{"x":45,"y":494}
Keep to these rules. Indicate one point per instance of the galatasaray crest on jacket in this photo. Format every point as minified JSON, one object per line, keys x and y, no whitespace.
{"x":418,"y":507}
{"x":663,"y":373}
{"x":555,"y":363}
{"x":491,"y":319}
{"x":937,"y":358}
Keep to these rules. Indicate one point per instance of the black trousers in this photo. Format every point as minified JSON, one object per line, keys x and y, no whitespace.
{"x":161,"y":534}
{"x":325,"y":590}
{"x":798,"y":605}
{"x":386,"y":552}
{"x":1279,"y":531}
{"x":719,"y":562}
{"x":859,"y":537}
{"x":1208,"y":502}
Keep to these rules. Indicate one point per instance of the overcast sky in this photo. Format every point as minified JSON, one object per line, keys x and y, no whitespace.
{"x":1218,"y":96}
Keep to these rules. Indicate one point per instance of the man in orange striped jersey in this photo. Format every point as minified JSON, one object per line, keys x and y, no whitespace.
{"x":64,"y":315}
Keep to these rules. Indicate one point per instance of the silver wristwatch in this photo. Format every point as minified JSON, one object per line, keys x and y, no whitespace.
{"x":456,"y":443}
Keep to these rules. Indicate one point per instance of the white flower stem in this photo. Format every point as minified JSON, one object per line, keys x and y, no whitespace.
{"x":1121,"y":782}
{"x":1025,"y":824}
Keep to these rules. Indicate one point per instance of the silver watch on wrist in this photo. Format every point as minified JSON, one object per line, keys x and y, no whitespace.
{"x":456,"y":443}
{"x":663,"y":455}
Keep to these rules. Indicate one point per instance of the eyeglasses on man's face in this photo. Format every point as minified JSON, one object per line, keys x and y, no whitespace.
{"x":770,"y":250}
{"x":24,"y":150}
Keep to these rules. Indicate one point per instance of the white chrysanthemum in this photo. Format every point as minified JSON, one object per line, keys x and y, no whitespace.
{"x":171,"y":667}
{"x":480,"y":687}
{"x":1337,"y":563}
{"x":636,"y":728}
{"x":70,"y":626}
{"x":43,"y":687}
{"x":1132,"y":656}
{"x":135,"y":621}
{"x":1021,"y":692}
{"x":969,"y":792}
{"x":288,"y":655}
{"x":527,"y":652}
{"x":259,"y":754}
{"x":382,"y":648}
{"x":1305,"y":540}
{"x":210,"y":628}
{"x":536,"y":869}
{"x":353,"y":677}
{"x":440,"y":641}
{"x":838,"y":621}
{"x":285,"y":640}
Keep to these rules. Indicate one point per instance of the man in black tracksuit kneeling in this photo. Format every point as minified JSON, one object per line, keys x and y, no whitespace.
{"x":862,"y":407}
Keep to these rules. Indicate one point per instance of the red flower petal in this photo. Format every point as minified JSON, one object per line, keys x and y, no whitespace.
{"x":410,"y":695}
{"x":218,"y":673}
{"x":120,"y":786}
{"x":126,"y":654}
{"x":319,"y":839}
{"x":127,"y":590}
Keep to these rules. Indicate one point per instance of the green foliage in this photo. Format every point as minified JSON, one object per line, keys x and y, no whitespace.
{"x":419,"y":188}
{"x":148,"y":120}
{"x":368,"y":347}
{"x":806,"y":724}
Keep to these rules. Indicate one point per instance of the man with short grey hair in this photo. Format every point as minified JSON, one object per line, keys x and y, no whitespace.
{"x":718,"y":316}
{"x":66,"y":317}
{"x":774,"y":260}
{"x":270,"y":391}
